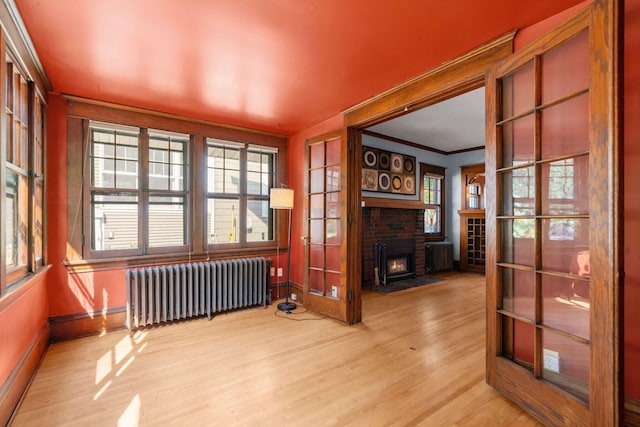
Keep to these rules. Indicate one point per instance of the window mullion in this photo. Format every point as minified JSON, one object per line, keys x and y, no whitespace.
{"x":243,"y":193}
{"x":143,"y":191}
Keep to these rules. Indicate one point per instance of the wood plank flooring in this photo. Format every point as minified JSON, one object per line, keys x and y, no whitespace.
{"x":416,"y":359}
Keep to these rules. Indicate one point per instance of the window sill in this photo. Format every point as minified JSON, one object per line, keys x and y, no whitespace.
{"x":20,"y":287}
{"x":86,"y":265}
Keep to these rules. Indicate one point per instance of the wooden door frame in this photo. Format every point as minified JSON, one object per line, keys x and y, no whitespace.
{"x":460,"y":75}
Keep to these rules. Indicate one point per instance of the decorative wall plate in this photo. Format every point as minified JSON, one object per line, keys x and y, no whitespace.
{"x":384,"y":181}
{"x":396,"y":163}
{"x":384,"y":161}
{"x":370,"y":158}
{"x":396,"y":183}
{"x":369,"y":179}
{"x":409,"y":165}
{"x":409,"y":184}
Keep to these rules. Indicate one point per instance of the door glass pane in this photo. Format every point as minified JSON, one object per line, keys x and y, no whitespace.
{"x":316,"y":281}
{"x":517,"y":243}
{"x":518,"y":141}
{"x":565,"y":186}
{"x":565,"y":128}
{"x":333,"y":178}
{"x":563,"y":240}
{"x":565,"y":304}
{"x":333,"y":152}
{"x":317,"y":155}
{"x":518,"y":292}
{"x":333,"y":258}
{"x":334,"y":234}
{"x":316,"y":181}
{"x":518,"y":191}
{"x":333,"y":205}
{"x":518,"y":92}
{"x":566,"y":363}
{"x":572,"y":55}
{"x":333,"y":285}
{"x":316,"y":206}
{"x":523,"y":341}
{"x":316,"y":256}
{"x":316,"y":231}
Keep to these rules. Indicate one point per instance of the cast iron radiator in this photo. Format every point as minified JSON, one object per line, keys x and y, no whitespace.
{"x":165,"y":293}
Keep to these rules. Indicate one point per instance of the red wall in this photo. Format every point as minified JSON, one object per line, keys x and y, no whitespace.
{"x":295,"y":180}
{"x":631,"y":199}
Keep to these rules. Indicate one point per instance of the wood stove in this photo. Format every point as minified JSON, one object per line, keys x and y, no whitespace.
{"x":394,"y":259}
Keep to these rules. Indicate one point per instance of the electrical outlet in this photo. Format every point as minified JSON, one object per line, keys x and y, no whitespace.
{"x":551,"y":360}
{"x":272,"y":271}
{"x":280,"y":272}
{"x":334,"y":292}
{"x":294,"y":297}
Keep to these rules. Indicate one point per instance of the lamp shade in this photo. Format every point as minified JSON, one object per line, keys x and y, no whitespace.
{"x":281,"y":198}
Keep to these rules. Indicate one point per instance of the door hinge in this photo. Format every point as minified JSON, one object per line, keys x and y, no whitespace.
{"x":350,"y":218}
{"x":351,"y":145}
{"x":349,"y":295}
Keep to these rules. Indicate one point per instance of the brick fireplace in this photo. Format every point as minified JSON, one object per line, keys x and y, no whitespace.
{"x":390,"y":224}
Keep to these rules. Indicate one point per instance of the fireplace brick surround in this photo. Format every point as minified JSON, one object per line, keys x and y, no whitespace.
{"x":390,"y":223}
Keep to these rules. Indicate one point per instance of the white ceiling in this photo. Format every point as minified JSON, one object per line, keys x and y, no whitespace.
{"x":454,"y":124}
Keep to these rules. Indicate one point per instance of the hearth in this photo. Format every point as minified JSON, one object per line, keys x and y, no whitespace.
{"x":394,"y":259}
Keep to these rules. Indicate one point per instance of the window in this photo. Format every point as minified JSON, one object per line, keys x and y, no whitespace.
{"x":138,"y":202}
{"x":24,"y":176}
{"x":239,"y":177}
{"x":433,"y":199}
{"x":145,"y":198}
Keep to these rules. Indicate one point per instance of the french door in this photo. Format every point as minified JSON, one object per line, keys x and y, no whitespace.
{"x":326,"y":288}
{"x":552,"y":273}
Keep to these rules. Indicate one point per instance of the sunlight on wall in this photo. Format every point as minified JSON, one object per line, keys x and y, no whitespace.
{"x":131,"y":416}
{"x":84,"y":292}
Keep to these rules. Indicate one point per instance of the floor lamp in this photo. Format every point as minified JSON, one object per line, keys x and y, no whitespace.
{"x":282,"y":198}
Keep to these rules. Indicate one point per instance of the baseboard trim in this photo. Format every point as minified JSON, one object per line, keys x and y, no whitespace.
{"x":631,"y":412}
{"x":76,"y":325}
{"x":22,"y":374}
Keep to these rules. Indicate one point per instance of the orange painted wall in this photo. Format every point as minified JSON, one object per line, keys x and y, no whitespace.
{"x":295,"y":180}
{"x":631,"y":199}
{"x":20,"y":322}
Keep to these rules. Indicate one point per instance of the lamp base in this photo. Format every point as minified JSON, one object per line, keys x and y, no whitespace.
{"x":287,"y":306}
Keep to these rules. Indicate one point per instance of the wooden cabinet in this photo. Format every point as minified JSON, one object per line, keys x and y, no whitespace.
{"x":472,"y":240}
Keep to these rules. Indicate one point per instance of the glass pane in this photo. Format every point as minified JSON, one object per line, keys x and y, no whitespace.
{"x":316,"y":206}
{"x":114,"y":220}
{"x":565,"y":305}
{"x":103,"y":173}
{"x":232,"y":181}
{"x":518,"y":191}
{"x":333,"y":178}
{"x":317,"y":181}
{"x":333,"y":205}
{"x":517,"y":244}
{"x":333,"y":258}
{"x":334,"y":234}
{"x":565,"y":127}
{"x":38,"y":225}
{"x":166,"y":221}
{"x":565,"y":187}
{"x":253,"y":183}
{"x":317,"y":155}
{"x":222,"y":220}
{"x":333,"y":151}
{"x":523,"y":340}
{"x":518,"y":141}
{"x":316,"y":234}
{"x":316,"y":256}
{"x":253,"y":161}
{"x":572,"y":55}
{"x":258,"y":221}
{"x":316,"y":281}
{"x":564,"y":240}
{"x":11,"y":225}
{"x":158,"y":176}
{"x":333,"y":285}
{"x":432,"y":220}
{"x":566,"y":363}
{"x":518,"y":292}
{"x":517,"y":92}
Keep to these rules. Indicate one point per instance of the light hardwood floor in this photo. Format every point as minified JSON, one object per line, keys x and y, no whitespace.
{"x":416,"y":359}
